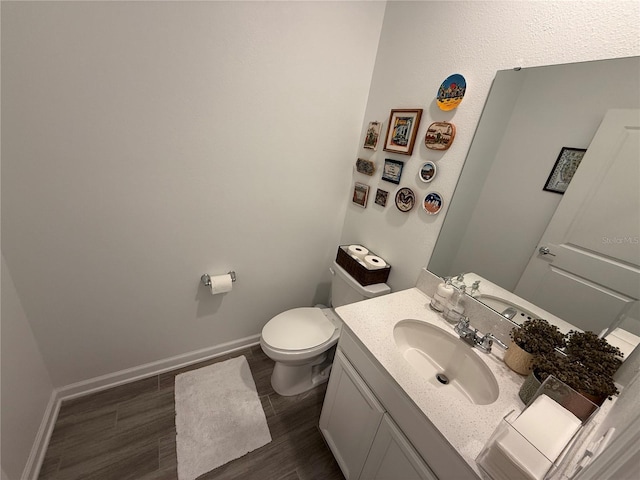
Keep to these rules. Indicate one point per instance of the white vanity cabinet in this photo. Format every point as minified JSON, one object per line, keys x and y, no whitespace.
{"x":375,"y":431}
{"x":362,"y":436}
{"x":350,"y":417}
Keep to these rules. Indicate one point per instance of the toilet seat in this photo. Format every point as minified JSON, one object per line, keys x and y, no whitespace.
{"x":298,"y":329}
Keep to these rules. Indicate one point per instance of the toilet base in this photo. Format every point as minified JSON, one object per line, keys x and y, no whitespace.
{"x":288,"y":380}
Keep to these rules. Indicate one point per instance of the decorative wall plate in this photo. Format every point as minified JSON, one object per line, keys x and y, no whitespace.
{"x":440,"y":135}
{"x":365,"y":166}
{"x":427,"y":172}
{"x":405,"y":199}
{"x":360,"y":194}
{"x":451,"y":92}
{"x":432,"y":203}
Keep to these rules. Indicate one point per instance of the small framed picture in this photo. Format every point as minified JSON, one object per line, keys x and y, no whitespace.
{"x":361,"y":194}
{"x":372,"y":135}
{"x":402,"y":130}
{"x":440,"y":135}
{"x":427,"y":171}
{"x":563,"y":170}
{"x":365,"y":166}
{"x":381,"y":197}
{"x":392,"y":170}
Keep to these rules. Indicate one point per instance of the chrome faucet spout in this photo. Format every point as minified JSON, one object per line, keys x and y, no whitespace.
{"x":472,"y":337}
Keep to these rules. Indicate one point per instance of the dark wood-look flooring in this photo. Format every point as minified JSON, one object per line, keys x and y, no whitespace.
{"x":128,"y":432}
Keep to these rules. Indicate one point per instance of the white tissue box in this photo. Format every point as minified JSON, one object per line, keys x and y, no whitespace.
{"x":531,"y":445}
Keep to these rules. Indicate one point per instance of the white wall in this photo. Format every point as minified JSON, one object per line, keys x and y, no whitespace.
{"x":26,"y":386}
{"x":422,"y":43}
{"x":146,"y":143}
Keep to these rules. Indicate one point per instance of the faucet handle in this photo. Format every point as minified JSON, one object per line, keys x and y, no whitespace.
{"x":462,"y":325}
{"x":486,"y":342}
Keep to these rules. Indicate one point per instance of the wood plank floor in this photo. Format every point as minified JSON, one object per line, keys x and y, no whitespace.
{"x":128,"y":432}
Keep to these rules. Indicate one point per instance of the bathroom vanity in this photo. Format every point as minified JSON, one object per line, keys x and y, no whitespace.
{"x":383,"y":414}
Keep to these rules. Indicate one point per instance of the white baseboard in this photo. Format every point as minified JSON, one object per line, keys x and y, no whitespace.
{"x":36,"y":457}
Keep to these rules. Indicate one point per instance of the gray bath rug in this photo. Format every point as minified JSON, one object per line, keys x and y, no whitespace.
{"x":219,"y":417}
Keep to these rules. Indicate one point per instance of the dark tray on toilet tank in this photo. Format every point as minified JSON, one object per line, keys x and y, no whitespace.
{"x":357,"y":270}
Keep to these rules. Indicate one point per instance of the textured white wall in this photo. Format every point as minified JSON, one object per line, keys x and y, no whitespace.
{"x":146,"y":143}
{"x":26,"y":386}
{"x":422,"y":43}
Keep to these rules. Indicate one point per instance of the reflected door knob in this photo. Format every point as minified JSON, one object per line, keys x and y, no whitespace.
{"x":545,"y":251}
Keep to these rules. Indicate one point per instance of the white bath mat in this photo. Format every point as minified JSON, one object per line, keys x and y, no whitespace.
{"x":218,"y":417}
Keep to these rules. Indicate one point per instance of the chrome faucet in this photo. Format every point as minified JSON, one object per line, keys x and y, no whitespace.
{"x":472,"y":337}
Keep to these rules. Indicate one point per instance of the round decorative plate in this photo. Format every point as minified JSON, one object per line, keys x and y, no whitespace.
{"x":405,"y":199}
{"x":427,"y":172}
{"x":451,"y":92}
{"x":432,"y":203}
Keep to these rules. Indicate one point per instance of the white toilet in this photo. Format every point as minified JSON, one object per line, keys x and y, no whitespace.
{"x":299,"y":340}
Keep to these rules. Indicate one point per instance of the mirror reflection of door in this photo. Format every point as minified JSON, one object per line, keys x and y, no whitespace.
{"x":586,"y":268}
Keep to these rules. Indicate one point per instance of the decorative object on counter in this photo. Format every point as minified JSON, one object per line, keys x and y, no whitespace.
{"x":427,"y":172}
{"x":534,"y":337}
{"x":402,"y":130}
{"x":530,"y":446}
{"x":474,"y":288}
{"x":587,"y":365}
{"x":454,"y":308}
{"x":392,"y":170}
{"x":562,"y":172}
{"x":372,"y":135}
{"x":365,"y":166}
{"x":440,"y":135}
{"x":451,"y":92}
{"x":360,"y":194}
{"x":442,"y":295}
{"x":432,"y":203}
{"x":358,"y":270}
{"x":381,"y":197}
{"x":405,"y":199}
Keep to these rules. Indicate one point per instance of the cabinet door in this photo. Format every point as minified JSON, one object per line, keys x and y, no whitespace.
{"x":392,"y":457}
{"x":350,"y":417}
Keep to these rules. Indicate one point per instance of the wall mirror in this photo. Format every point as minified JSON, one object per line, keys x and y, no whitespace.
{"x":500,"y":210}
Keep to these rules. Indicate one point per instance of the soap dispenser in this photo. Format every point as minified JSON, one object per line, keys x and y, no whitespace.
{"x":442,"y":295}
{"x":454,"y":309}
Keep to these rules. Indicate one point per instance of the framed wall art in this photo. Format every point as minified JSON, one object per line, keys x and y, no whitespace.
{"x":365,"y":166}
{"x":432,"y":203}
{"x":402,"y":130}
{"x":562,"y":172}
{"x":361,"y":194}
{"x":381,"y":197}
{"x":372,"y":135}
{"x":427,"y":171}
{"x":451,"y":92}
{"x":440,"y":135}
{"x":392,"y":170}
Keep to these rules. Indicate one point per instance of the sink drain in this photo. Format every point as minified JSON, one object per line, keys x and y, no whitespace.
{"x":442,"y":378}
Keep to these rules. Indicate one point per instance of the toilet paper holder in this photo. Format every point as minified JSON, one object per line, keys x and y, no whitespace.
{"x":206,"y":278}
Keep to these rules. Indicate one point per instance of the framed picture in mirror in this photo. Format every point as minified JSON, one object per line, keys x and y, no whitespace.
{"x":562,"y":172}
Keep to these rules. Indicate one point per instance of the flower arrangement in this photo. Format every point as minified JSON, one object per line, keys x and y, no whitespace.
{"x":537,"y":336}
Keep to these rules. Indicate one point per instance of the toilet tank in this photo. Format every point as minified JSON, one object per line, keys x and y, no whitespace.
{"x":345,"y":289}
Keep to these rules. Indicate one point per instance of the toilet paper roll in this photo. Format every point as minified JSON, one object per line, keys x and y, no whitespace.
{"x":221,"y":284}
{"x":358,"y":251}
{"x":374,"y":263}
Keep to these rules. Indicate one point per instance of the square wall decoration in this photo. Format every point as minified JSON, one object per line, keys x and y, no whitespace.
{"x":402,"y":130}
{"x":360,"y":194}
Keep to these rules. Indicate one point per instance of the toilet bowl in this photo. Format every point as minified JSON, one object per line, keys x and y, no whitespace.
{"x":301,"y":341}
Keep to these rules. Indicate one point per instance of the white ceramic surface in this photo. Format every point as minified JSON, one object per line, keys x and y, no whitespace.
{"x":446,"y":362}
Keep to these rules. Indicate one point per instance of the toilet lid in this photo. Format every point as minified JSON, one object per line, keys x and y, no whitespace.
{"x":298,"y":329}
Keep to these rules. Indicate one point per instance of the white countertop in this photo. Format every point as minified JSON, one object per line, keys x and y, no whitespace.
{"x":466,"y":426}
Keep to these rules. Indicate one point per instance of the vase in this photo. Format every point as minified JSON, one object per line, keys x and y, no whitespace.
{"x":518,"y":360}
{"x":529,"y":388}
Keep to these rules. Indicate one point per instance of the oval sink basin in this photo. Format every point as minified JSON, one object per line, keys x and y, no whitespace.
{"x":446,"y":361}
